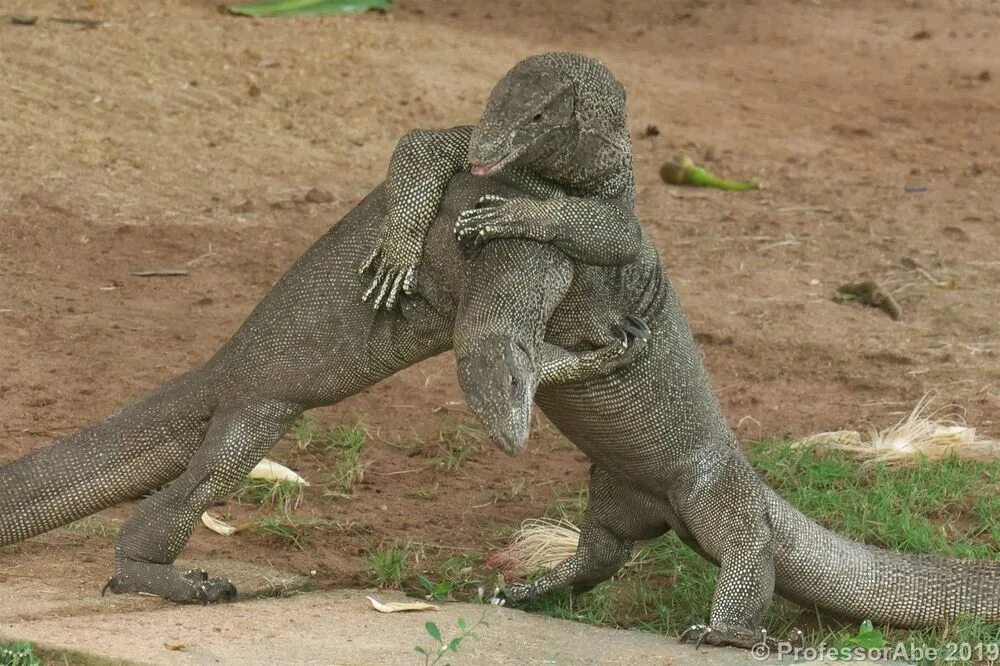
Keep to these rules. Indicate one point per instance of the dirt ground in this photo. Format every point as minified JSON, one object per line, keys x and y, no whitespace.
{"x":173,"y":136}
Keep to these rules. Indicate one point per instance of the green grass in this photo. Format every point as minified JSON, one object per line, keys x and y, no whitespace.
{"x":18,"y":654}
{"x":22,"y":653}
{"x":387,"y":566}
{"x":456,"y":443}
{"x":949,"y":508}
{"x":287,"y":529}
{"x":310,"y":435}
{"x":94,"y":527}
{"x":271,"y":493}
{"x":344,"y":443}
{"x":349,"y":469}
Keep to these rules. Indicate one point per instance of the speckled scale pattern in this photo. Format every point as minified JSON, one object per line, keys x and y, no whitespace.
{"x":420,"y":169}
{"x":664,"y":458}
{"x":586,"y":153}
{"x":310,"y":342}
{"x":664,"y":455}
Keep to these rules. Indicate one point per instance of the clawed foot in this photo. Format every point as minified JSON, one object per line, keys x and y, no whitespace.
{"x":630,"y":339}
{"x":516,"y":592}
{"x":189,"y":587}
{"x":633,"y":334}
{"x":739,"y":637}
{"x":490,"y":219}
{"x":390,"y":276}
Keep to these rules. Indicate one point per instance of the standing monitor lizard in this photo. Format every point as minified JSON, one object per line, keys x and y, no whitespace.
{"x":310,"y":342}
{"x":663,"y":455}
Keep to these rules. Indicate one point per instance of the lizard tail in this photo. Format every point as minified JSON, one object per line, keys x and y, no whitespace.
{"x":127,"y":455}
{"x":814,"y":566}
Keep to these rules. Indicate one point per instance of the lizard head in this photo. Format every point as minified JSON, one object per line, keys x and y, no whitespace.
{"x":552,"y":112}
{"x":499,"y":380}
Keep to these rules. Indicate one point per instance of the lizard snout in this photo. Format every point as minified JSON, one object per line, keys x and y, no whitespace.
{"x":499,"y":381}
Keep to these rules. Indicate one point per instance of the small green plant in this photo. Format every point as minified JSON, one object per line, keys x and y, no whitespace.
{"x":20,"y":653}
{"x":286,"y":528}
{"x":306,"y":432}
{"x":867,"y":637}
{"x":346,"y":437}
{"x":411,"y":447}
{"x":433,"y":655}
{"x":459,"y":567}
{"x":456,"y":444}
{"x":387,"y":566}
{"x":436,"y":591}
{"x":283,"y":494}
{"x":309,"y":7}
{"x":94,"y":527}
{"x":347,"y":473}
{"x":428,"y":493}
{"x":309,"y":434}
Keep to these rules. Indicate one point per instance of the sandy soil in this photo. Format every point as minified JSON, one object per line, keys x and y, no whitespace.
{"x":175,"y":136}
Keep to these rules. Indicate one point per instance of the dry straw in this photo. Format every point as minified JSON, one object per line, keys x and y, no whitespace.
{"x":539,"y":544}
{"x":925,"y":433}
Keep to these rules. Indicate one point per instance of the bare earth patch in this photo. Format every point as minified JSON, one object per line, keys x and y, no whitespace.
{"x":174,"y":137}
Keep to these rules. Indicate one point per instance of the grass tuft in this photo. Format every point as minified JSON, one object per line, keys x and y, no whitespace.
{"x":457,"y":443}
{"x":284,"y":494}
{"x":387,"y":566}
{"x":286,"y":529}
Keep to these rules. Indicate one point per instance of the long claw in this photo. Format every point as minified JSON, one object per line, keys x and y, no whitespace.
{"x":390,"y":302}
{"x":410,"y":280}
{"x":369,"y":261}
{"x":384,"y":291}
{"x":640,"y":326}
{"x":634,"y":332}
{"x":701,"y":630}
{"x":376,"y":283}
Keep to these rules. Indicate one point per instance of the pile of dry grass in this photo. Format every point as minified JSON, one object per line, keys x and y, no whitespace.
{"x":538,"y":544}
{"x":925,"y":433}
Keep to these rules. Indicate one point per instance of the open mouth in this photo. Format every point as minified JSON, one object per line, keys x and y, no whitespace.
{"x":490,"y":168}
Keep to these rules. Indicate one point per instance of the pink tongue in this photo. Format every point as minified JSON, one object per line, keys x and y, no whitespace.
{"x":481,"y":169}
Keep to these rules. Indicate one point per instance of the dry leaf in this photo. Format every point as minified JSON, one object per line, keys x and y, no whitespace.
{"x":273,"y":471}
{"x":400,"y":606}
{"x":216,"y":525}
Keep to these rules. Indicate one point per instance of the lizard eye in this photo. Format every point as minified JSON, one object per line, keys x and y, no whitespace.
{"x":513,"y":381}
{"x":536,"y":117}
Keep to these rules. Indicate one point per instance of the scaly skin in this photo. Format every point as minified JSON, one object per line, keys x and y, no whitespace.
{"x":664,"y":458}
{"x":310,"y":342}
{"x":558,"y":117}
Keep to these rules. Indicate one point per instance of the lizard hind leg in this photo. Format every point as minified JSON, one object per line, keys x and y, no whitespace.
{"x":618,"y":515}
{"x":237,"y":438}
{"x":745,"y":583}
{"x":599,"y":556}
